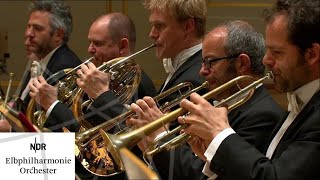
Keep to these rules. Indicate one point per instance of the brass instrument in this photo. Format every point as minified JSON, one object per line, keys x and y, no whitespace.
{"x":92,"y":138}
{"x":135,"y":168}
{"x":16,"y":119}
{"x":125,"y":77}
{"x":65,"y":80}
{"x":115,"y":143}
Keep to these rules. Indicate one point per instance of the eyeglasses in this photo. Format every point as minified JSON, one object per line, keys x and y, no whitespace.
{"x":208,"y":61}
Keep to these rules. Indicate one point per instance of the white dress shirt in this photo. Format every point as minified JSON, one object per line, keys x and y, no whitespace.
{"x":40,"y":65}
{"x":297,"y":101}
{"x":304,"y":95}
{"x":171,"y":66}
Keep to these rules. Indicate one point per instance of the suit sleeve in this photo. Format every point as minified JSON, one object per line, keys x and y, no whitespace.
{"x":252,"y":124}
{"x":296,"y":157}
{"x":61,"y":116}
{"x":180,"y":163}
{"x":146,"y":87}
{"x":256,"y":126}
{"x":105,"y":107}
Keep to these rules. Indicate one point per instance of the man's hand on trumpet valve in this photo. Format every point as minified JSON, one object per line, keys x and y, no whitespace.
{"x":93,"y":81}
{"x":146,"y":111}
{"x":43,"y":93}
{"x":204,"y":120}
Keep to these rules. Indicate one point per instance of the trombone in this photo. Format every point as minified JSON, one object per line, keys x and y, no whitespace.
{"x":114,"y":143}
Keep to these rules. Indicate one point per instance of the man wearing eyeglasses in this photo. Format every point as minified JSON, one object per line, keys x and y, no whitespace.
{"x":231,"y":49}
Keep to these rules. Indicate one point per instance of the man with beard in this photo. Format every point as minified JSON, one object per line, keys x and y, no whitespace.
{"x":292,"y":152}
{"x":231,"y":49}
{"x":48,"y":31}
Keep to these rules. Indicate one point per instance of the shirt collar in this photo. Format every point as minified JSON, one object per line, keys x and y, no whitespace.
{"x":300,"y":97}
{"x":44,"y":61}
{"x":180,"y":58}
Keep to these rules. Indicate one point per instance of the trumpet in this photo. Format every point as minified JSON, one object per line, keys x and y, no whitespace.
{"x":115,"y":143}
{"x":125,"y":77}
{"x":92,"y":138}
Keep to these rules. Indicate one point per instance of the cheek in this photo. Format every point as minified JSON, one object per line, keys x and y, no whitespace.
{"x":171,"y":37}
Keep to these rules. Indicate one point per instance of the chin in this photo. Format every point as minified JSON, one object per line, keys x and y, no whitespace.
{"x":159,"y":54}
{"x":212,"y":87}
{"x":280,"y":87}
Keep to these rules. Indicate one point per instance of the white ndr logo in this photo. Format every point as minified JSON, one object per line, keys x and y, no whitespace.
{"x":37,"y":146}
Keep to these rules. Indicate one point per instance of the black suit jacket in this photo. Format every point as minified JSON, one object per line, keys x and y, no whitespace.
{"x":253,"y":121}
{"x":297,"y":155}
{"x":61,"y":59}
{"x":187,"y":72}
{"x":145,"y":88}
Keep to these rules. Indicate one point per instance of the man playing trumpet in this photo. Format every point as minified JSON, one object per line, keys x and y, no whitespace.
{"x":293,"y":55}
{"x":229,"y":50}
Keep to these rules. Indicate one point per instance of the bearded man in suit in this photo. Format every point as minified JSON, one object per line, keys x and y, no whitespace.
{"x":292,"y":152}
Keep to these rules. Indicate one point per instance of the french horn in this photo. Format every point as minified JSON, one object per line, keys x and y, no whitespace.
{"x":123,"y":84}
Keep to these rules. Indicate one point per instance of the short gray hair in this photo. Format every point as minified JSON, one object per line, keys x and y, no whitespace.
{"x":60,"y":15}
{"x":243,"y":38}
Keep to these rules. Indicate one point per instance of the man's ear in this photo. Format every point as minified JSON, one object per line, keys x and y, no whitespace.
{"x":243,"y":64}
{"x":190,"y":25}
{"x":58,"y":35}
{"x":124,"y":47}
{"x":312,"y":54}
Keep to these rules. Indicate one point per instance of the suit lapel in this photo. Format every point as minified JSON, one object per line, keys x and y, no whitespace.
{"x":308,"y":109}
{"x":257,"y":95}
{"x":24,"y":83}
{"x":299,"y":120}
{"x":49,"y":71}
